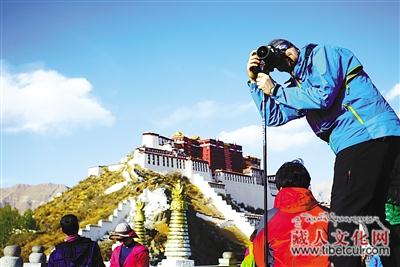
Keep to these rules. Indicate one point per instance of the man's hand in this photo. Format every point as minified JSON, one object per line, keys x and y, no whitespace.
{"x":265,"y":83}
{"x":253,"y":62}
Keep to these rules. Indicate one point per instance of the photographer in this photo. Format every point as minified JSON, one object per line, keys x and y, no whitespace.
{"x":330,"y":88}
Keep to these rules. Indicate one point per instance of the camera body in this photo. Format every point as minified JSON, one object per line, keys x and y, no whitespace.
{"x":270,"y":58}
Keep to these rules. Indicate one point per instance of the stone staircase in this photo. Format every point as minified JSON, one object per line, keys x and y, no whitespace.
{"x":123,"y":212}
{"x":232,"y":217}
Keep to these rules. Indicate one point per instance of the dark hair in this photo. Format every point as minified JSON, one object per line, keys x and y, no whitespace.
{"x":69,"y":224}
{"x":292,"y":174}
{"x":282,"y":44}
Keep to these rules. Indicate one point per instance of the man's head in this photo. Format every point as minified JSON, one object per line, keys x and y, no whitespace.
{"x":69,"y":224}
{"x":290,"y":51}
{"x":292,"y":174}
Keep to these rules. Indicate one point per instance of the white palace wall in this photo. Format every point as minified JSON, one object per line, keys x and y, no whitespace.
{"x":231,"y":216}
{"x":170,"y":163}
{"x":244,"y":189}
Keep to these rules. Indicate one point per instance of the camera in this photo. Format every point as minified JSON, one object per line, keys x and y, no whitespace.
{"x":270,"y":58}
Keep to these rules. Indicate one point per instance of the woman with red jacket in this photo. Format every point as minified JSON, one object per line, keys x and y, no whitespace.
{"x":129,"y":253}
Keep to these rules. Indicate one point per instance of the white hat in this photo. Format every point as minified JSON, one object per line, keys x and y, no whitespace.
{"x":122,"y":230}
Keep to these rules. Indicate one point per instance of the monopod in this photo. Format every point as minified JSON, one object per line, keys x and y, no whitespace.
{"x":264,"y":126}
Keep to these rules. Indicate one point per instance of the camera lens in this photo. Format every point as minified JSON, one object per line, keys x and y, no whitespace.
{"x":262,"y":52}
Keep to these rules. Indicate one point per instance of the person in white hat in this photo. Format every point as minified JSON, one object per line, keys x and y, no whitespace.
{"x":129,"y":253}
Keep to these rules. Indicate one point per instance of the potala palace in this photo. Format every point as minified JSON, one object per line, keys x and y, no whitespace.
{"x":231,"y":185}
{"x":221,"y":164}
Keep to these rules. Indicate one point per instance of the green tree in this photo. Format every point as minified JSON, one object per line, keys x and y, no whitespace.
{"x":9,"y":220}
{"x":28,"y":222}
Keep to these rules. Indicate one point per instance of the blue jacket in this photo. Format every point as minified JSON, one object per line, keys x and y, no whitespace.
{"x":338,"y":99}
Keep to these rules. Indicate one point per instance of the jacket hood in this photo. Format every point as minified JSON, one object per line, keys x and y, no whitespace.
{"x":294,"y":199}
{"x":301,"y":63}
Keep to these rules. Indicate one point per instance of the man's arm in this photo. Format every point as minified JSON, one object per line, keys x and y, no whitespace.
{"x":98,"y":259}
{"x":277,"y":114}
{"x":319,"y":90}
{"x":51,"y":260}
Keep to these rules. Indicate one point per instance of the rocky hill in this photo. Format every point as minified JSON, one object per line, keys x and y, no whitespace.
{"x":91,"y":200}
{"x":24,"y":196}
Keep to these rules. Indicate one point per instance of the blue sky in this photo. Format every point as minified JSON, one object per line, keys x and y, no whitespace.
{"x":81,"y":80}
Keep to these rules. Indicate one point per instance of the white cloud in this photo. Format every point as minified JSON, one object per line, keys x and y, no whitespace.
{"x":393,"y":93}
{"x":322,"y":191}
{"x":205,"y":110}
{"x":43,"y":101}
{"x":293,"y":134}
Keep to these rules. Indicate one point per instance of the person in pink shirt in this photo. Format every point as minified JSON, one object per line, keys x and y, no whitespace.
{"x":129,"y":253}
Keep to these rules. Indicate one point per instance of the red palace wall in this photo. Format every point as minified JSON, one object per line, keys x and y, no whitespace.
{"x":222,"y":156}
{"x":218,"y":154}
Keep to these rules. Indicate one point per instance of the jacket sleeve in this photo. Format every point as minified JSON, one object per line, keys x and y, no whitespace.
{"x":97,"y":258}
{"x":114,"y":261}
{"x":324,"y":79}
{"x":276,"y":113}
{"x":143,"y":259}
{"x":51,"y":260}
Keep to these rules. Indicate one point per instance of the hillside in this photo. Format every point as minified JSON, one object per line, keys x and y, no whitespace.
{"x":24,"y":196}
{"x":89,"y":202}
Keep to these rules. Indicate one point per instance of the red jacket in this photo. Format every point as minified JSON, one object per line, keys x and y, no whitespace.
{"x":139,"y":257}
{"x":291,"y":202}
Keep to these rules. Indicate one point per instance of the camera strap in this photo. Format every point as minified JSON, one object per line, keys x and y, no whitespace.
{"x":293,"y":81}
{"x":309,"y":49}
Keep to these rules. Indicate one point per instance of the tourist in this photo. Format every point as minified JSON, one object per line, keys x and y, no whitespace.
{"x":330,"y":88}
{"x":286,"y":221}
{"x":129,"y":253}
{"x":75,"y":250}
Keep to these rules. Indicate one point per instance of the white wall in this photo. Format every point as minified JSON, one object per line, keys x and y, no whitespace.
{"x":156,"y":141}
{"x":115,"y":167}
{"x":231,"y":216}
{"x":184,"y":166}
{"x":219,"y":188}
{"x":249,"y":194}
{"x":150,"y":140}
{"x":96,"y":171}
{"x":200,"y":168}
{"x":244,"y":189}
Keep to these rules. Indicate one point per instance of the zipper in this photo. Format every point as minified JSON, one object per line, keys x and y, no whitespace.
{"x":295,"y":79}
{"x":352,"y":74}
{"x":352,"y":110}
{"x":297,"y":83}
